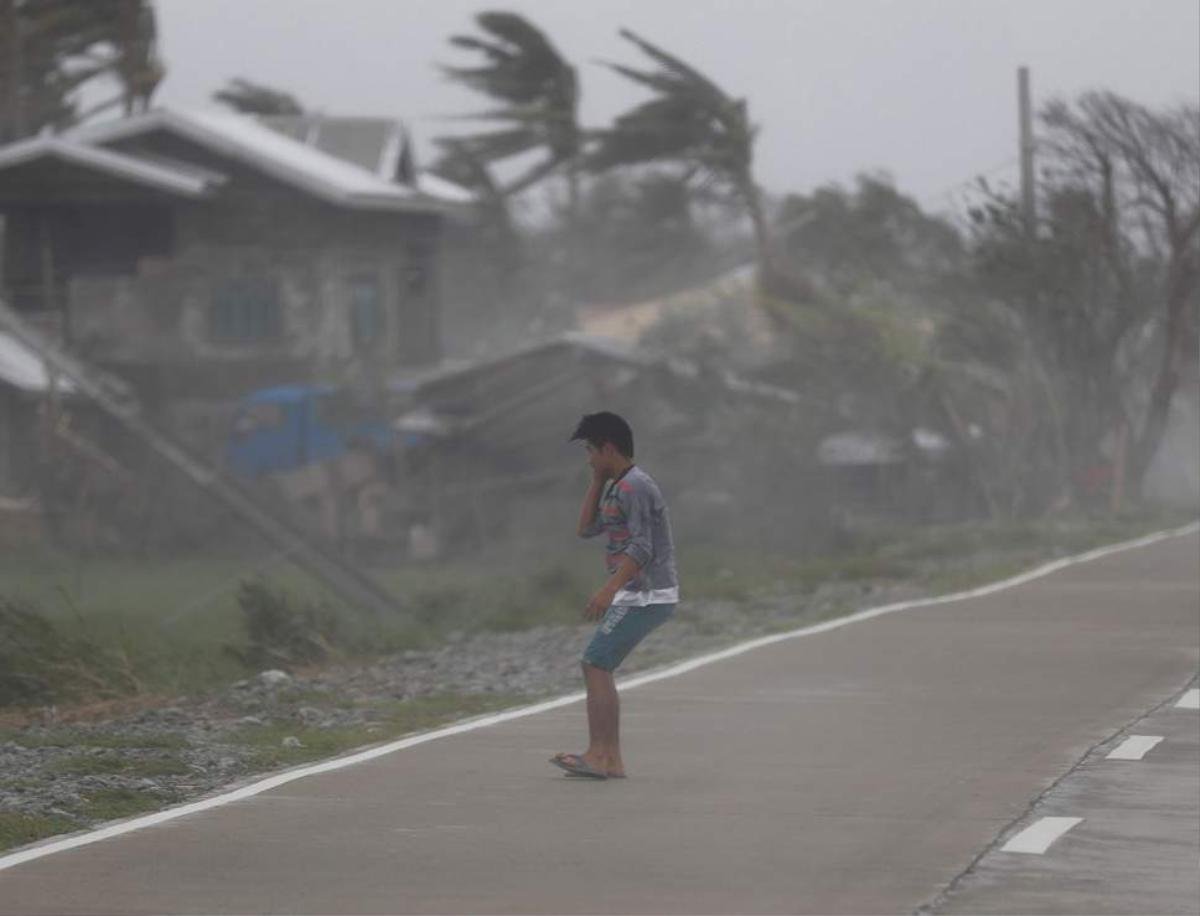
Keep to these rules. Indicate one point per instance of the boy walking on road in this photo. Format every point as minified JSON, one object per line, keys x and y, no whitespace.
{"x":642,"y":590}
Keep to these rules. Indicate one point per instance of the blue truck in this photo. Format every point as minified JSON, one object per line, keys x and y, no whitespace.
{"x":290,"y":426}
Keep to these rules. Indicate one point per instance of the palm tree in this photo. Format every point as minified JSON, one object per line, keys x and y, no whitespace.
{"x":689,"y":119}
{"x":539,"y":91}
{"x":255,"y":98}
{"x":49,"y":49}
{"x":137,"y":67}
{"x":461,"y":165}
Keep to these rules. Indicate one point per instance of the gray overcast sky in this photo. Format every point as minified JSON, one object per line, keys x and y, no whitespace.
{"x":925,"y":89}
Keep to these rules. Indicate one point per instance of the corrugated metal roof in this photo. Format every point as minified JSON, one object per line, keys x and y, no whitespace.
{"x":243,"y":138}
{"x":366,"y":142}
{"x":171,"y":178}
{"x":374,"y":144}
{"x":613,"y":350}
{"x":22,"y":368}
{"x":436,"y":186}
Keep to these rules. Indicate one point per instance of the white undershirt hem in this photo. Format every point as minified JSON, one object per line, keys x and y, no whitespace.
{"x":625,"y":598}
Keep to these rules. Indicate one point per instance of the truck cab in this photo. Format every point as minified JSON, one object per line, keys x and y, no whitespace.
{"x":291,"y":426}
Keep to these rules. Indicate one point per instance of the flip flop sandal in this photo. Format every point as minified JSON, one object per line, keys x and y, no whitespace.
{"x":577,"y":766}
{"x":610,"y":775}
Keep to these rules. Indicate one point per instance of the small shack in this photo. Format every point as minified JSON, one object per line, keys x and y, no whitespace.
{"x":488,"y":443}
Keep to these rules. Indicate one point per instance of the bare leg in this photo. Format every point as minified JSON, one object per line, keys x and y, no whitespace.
{"x":604,"y":715}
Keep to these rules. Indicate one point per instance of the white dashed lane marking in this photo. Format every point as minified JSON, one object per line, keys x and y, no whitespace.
{"x":1190,"y":700}
{"x":1037,"y":837}
{"x":1134,"y":747}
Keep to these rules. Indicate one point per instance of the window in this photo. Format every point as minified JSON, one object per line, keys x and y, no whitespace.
{"x":416,"y":325}
{"x":245,"y":310}
{"x":366,"y":311}
{"x":253,"y":418}
{"x":417,"y":276}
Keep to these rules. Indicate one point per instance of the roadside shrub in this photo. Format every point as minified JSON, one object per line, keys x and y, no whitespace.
{"x":41,"y":663}
{"x":284,"y":633}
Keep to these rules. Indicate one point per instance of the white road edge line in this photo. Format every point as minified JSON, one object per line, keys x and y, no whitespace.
{"x":1135,"y":747}
{"x":1190,"y":700}
{"x":52,"y":846}
{"x":1037,"y":837}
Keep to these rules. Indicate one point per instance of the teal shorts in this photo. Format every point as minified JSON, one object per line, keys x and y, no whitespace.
{"x":620,"y":630}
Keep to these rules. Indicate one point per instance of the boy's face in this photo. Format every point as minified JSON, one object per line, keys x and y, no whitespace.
{"x":602,"y":459}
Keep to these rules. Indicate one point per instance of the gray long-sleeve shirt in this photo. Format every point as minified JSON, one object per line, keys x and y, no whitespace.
{"x":633,"y":513}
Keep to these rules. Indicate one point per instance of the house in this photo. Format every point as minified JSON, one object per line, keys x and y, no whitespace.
{"x":379,"y":145}
{"x":200,"y":254}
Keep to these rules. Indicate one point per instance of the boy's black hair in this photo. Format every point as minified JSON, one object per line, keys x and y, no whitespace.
{"x":605,"y":426}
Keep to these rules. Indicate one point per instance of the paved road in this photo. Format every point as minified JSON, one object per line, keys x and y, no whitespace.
{"x":859,"y":770}
{"x":1136,"y":846}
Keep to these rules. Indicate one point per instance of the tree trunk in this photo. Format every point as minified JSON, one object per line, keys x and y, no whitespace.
{"x":762,"y":233}
{"x":574,"y":248}
{"x":13,"y":126}
{"x":1179,"y":291}
{"x":530,"y":178}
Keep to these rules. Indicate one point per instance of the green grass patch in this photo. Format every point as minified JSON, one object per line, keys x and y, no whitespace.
{"x":488,"y":595}
{"x":96,"y":766}
{"x":158,"y":742}
{"x":169,"y":617}
{"x":87,"y":766}
{"x":394,"y":718}
{"x":16,"y":784}
{"x":727,"y":576}
{"x":110,"y":804}
{"x":73,"y":738}
{"x":156,"y":766}
{"x":948,"y":581}
{"x":320,"y":699}
{"x":403,"y":716}
{"x":20,"y":829}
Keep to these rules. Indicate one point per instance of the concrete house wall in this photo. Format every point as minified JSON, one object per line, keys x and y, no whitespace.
{"x":312,"y":253}
{"x":146,"y":282}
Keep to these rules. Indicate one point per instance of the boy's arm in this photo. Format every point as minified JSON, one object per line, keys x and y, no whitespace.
{"x":638,"y":552}
{"x":588,"y":527}
{"x":600,"y":601}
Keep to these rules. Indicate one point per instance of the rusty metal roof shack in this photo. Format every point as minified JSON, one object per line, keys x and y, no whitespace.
{"x":494,"y":433}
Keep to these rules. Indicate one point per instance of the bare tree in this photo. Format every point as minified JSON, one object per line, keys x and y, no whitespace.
{"x":1106,"y":288}
{"x":1141,"y":170}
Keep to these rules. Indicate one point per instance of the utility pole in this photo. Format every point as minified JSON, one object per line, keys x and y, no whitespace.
{"x":1025,"y":112}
